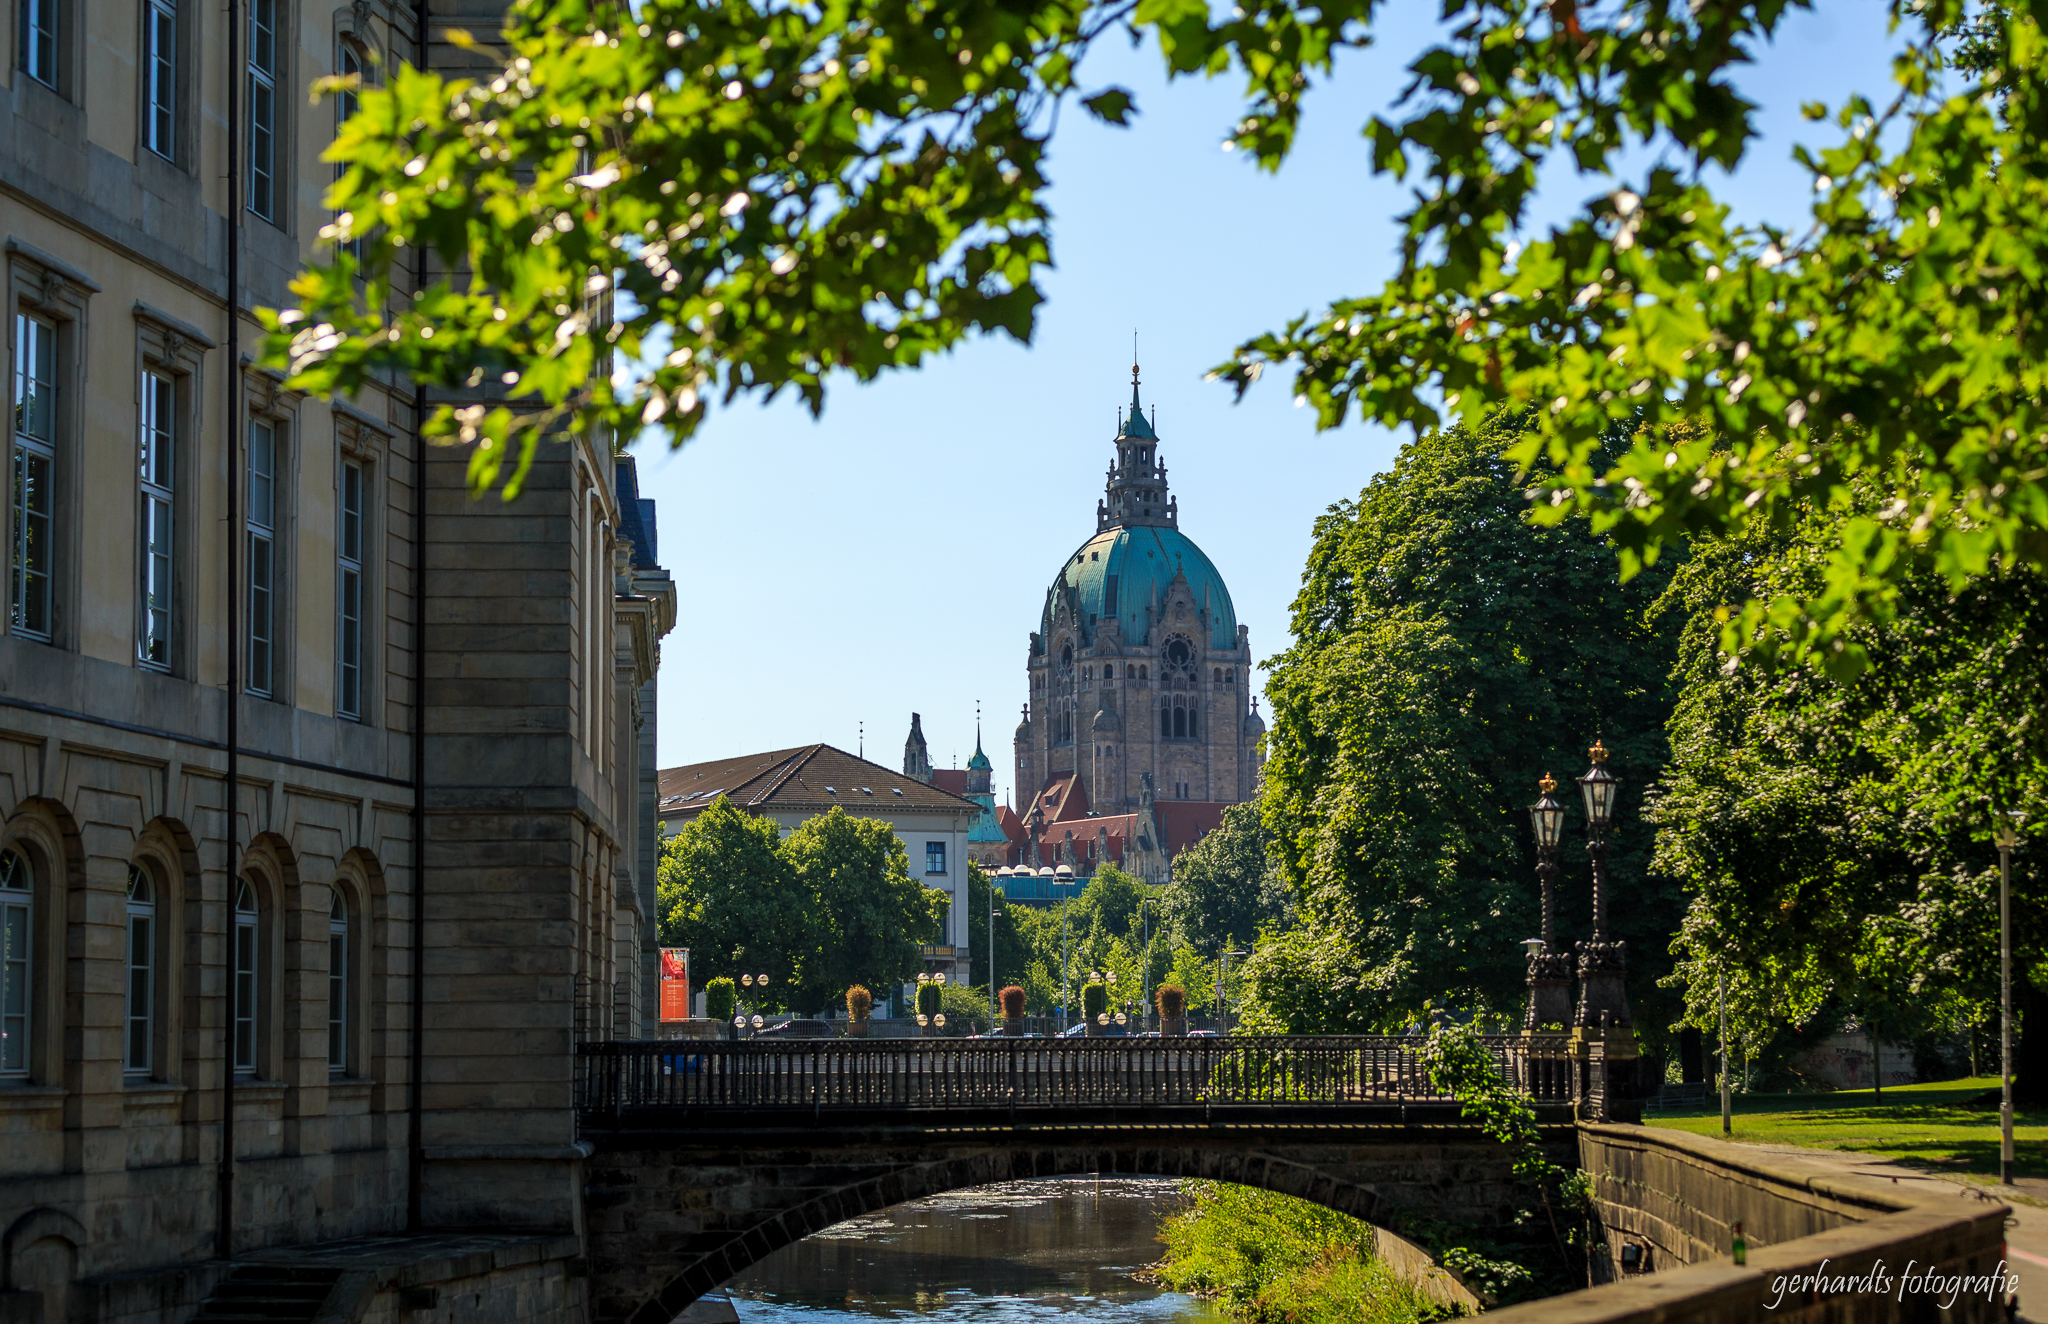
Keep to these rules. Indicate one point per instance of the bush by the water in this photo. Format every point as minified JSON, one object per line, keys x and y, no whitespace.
{"x":1273,"y":1259}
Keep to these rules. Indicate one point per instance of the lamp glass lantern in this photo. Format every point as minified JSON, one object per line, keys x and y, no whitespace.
{"x":1598,"y":787}
{"x":1547,"y":815}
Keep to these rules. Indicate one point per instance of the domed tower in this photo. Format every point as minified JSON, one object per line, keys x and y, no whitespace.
{"x":1139,"y":664}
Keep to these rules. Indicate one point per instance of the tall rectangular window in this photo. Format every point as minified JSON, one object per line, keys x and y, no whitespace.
{"x":160,"y":76}
{"x":31,"y":547}
{"x":263,"y":108}
{"x":246,"y":988}
{"x":935,"y":857}
{"x":141,"y":972}
{"x":348,"y":627}
{"x":345,"y":107}
{"x":337,"y":985}
{"x":38,"y":40}
{"x":159,"y":508}
{"x":17,"y":945}
{"x":262,"y":557}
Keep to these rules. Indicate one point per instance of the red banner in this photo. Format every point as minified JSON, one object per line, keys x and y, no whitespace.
{"x":675,"y":983}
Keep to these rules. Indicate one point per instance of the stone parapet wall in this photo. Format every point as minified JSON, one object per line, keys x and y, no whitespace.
{"x":1677,"y":1196}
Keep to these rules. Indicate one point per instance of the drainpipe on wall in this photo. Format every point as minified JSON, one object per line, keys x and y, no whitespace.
{"x":224,"y":1233}
{"x":415,"y":1158}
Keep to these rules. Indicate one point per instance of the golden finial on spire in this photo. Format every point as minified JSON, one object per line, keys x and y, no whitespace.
{"x":1548,"y":784}
{"x":1598,"y":752}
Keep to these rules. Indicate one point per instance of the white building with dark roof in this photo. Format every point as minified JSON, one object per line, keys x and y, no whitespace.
{"x":791,"y":785}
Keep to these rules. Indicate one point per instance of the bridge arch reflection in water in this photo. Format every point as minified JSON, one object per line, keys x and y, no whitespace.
{"x":1066,"y":1249}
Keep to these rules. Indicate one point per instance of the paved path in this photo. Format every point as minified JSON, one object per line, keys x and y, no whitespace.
{"x":2026,"y":1234}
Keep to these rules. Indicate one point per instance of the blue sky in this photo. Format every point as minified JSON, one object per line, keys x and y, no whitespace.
{"x":892,"y":556}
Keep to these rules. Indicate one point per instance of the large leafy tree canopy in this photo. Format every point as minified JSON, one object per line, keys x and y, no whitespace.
{"x":1448,"y":652}
{"x":746,"y":197}
{"x":868,"y":916}
{"x":1227,"y":887}
{"x":1832,"y":831}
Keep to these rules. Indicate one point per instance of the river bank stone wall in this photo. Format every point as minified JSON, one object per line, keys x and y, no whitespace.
{"x":1823,"y":1246}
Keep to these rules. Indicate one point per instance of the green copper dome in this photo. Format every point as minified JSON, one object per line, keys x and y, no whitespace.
{"x":1117,"y":572}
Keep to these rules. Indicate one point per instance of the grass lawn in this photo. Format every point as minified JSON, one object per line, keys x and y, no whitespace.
{"x":1924,"y":1126}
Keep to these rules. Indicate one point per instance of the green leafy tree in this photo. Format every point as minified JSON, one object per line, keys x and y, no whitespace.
{"x":1108,"y":908}
{"x":1197,"y":974}
{"x":1013,"y":953}
{"x":1832,"y":831}
{"x":1227,"y":886}
{"x":1448,"y":652}
{"x":745,"y":199}
{"x":724,"y":890}
{"x":867,"y":916}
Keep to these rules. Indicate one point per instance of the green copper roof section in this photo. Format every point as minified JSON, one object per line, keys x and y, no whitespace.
{"x":1140,"y":560}
{"x":1135,"y":425}
{"x":979,"y":763}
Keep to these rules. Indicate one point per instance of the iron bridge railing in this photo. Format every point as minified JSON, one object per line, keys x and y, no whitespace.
{"x":956,"y":1075}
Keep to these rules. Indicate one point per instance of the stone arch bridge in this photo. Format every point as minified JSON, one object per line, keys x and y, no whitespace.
{"x":707,"y":1157}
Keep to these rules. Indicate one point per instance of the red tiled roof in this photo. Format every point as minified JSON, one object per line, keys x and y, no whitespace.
{"x":1063,"y":797}
{"x":1012,"y":826}
{"x":1185,"y":822}
{"x":953,"y":781}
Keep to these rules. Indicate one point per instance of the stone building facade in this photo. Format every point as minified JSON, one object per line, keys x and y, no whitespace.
{"x":326,"y":791}
{"x":1139,"y":668}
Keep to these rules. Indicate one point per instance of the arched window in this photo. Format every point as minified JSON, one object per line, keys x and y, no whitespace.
{"x":248,"y":984}
{"x":17,"y":971}
{"x":1165,"y":723}
{"x":1218,"y":677}
{"x":1192,"y":732}
{"x":1180,"y":722}
{"x":1130,"y":672}
{"x":339,"y":981}
{"x":1143,"y":671}
{"x":141,"y":1024}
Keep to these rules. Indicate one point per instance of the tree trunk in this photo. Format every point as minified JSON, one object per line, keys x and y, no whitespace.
{"x":1876,"y":1066}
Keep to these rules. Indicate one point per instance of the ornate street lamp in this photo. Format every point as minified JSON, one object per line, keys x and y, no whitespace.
{"x":1550,"y":971}
{"x":1603,"y":995}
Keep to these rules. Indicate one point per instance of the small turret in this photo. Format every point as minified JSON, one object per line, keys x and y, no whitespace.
{"x":917,"y":760}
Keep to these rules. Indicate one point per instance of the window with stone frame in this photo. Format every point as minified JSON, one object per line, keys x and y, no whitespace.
{"x":167,"y":404}
{"x":46,"y":332}
{"x":138,"y":1056}
{"x":32,"y":479}
{"x":162,"y":110}
{"x":341,"y":978}
{"x":246,"y":991}
{"x":350,"y":541}
{"x":17,"y":964}
{"x":42,"y":38}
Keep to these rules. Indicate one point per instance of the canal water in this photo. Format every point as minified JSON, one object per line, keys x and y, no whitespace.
{"x":1058,"y":1251}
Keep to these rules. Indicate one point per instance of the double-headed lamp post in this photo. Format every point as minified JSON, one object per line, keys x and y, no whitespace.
{"x":2005,"y":835}
{"x":1603,"y":995}
{"x":1550,"y":970}
{"x":740,"y":1021}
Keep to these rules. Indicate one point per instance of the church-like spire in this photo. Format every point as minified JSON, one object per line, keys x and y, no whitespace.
{"x":1136,"y":491}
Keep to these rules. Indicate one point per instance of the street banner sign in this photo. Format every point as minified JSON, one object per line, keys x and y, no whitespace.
{"x":675,"y":983}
